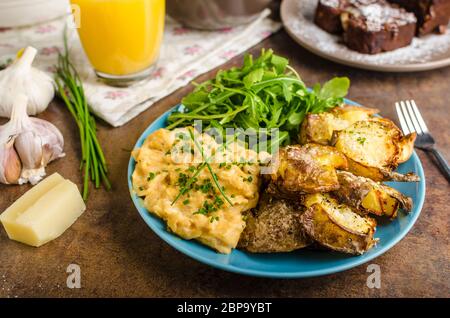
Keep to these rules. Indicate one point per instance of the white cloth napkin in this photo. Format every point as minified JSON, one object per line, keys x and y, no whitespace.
{"x":184,"y":55}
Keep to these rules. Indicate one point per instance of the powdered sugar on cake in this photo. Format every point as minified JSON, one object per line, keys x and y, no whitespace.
{"x":421,"y":50}
{"x":331,"y":3}
{"x":377,"y":16}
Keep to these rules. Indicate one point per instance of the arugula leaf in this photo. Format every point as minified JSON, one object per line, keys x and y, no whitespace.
{"x":279,"y":63}
{"x":295,"y":119}
{"x":199,"y":98}
{"x":264,"y":93}
{"x":335,"y":88}
{"x":253,"y":77}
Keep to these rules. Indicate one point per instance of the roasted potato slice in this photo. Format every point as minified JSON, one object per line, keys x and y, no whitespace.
{"x":407,"y":147}
{"x":374,"y":148}
{"x":309,"y":168}
{"x":336,"y":226}
{"x":319,"y":128}
{"x":369,"y":196}
{"x":274,"y":226}
{"x":378,"y":174}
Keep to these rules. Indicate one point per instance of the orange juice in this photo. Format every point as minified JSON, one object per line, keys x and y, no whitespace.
{"x":121,"y":37}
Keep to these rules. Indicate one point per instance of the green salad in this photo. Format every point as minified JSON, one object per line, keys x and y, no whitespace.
{"x":263,"y":94}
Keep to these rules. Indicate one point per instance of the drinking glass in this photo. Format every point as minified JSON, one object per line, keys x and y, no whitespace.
{"x":121,"y":38}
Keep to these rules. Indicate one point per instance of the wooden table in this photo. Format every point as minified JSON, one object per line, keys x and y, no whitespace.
{"x":120,"y":256}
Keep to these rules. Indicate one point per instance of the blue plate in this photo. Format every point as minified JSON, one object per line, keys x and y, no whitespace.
{"x":302,"y":263}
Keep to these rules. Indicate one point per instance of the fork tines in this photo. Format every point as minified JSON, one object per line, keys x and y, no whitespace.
{"x":410,"y":118}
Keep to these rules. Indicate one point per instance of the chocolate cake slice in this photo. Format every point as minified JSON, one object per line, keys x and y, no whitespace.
{"x":377,"y":26}
{"x":328,"y":15}
{"x":432,"y":15}
{"x":369,"y":26}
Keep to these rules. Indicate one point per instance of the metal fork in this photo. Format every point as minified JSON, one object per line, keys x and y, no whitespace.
{"x":411,"y":121}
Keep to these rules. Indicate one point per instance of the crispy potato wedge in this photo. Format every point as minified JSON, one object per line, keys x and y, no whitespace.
{"x":336,"y":226}
{"x":309,"y":168}
{"x":378,"y":174}
{"x":374,"y":148}
{"x":319,"y":128}
{"x":407,"y":147}
{"x":368,"y":196}
{"x":274,"y":226}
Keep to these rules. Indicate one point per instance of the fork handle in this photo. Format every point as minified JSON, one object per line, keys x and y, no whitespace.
{"x":442,"y":163}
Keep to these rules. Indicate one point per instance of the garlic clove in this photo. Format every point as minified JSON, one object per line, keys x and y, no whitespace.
{"x":21,"y":78}
{"x":52,"y":140}
{"x":13,"y":167}
{"x":29,"y":149}
{"x":38,"y":143}
{"x":10,"y":165}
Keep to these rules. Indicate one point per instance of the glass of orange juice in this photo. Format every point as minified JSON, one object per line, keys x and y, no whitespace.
{"x":121,"y":38}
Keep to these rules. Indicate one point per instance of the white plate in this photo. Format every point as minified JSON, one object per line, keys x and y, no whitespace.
{"x":14,"y":13}
{"x":425,"y":53}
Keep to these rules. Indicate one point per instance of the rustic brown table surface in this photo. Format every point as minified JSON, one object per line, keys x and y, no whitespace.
{"x":119,"y":256}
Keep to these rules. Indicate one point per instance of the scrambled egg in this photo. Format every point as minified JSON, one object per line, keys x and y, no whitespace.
{"x":166,"y":163}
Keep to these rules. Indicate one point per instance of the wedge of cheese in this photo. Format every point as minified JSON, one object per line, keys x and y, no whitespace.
{"x":43,"y":213}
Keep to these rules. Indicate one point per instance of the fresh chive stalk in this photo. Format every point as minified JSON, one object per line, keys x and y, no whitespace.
{"x":213,"y":175}
{"x":70,"y":90}
{"x":200,"y":167}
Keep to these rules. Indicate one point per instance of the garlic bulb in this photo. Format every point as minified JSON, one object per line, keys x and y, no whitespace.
{"x":21,"y":78}
{"x":38,"y":143}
